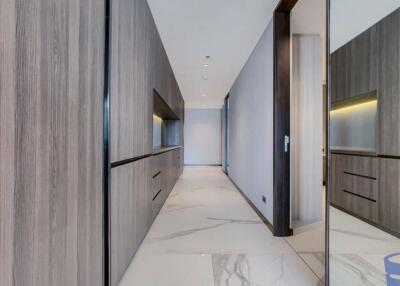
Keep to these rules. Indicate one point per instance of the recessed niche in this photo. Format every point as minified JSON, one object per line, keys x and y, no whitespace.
{"x":165,"y":124}
{"x":353,"y":124}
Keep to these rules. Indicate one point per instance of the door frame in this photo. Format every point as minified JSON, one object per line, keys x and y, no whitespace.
{"x":282,"y":72}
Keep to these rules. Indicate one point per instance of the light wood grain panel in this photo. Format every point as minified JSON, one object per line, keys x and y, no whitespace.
{"x":57,"y":174}
{"x":131,"y":101}
{"x":130,"y":212}
{"x":7,"y":137}
{"x":389,"y":85}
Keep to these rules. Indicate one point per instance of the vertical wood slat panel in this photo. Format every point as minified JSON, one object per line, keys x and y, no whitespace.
{"x":7,"y":137}
{"x":389,"y":85}
{"x":55,"y":82}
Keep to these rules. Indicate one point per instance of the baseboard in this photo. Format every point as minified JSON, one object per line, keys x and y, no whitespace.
{"x":260,"y":215}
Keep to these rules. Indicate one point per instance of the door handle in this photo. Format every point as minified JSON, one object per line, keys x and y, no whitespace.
{"x":286,"y":143}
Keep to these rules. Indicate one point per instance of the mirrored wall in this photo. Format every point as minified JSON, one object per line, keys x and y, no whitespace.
{"x":364,"y":208}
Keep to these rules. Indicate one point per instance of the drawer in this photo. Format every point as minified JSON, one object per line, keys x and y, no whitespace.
{"x":366,"y":187}
{"x":361,"y":166}
{"x":354,"y":185}
{"x":156,"y":164}
{"x":364,"y":208}
{"x":156,"y":184}
{"x":157,"y":203}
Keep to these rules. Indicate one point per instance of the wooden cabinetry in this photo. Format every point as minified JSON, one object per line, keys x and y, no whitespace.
{"x":167,"y":168}
{"x":368,"y":187}
{"x":139,"y":66}
{"x":354,"y":67}
{"x":130,"y":212}
{"x":389,"y":85}
{"x":389,"y":194}
{"x":354,"y":185}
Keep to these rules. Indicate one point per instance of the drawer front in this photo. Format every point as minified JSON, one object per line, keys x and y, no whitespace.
{"x":156,"y":164}
{"x":360,"y":206}
{"x":362,"y":166}
{"x":354,"y":185}
{"x":158,"y":202}
{"x":364,"y":187}
{"x":156,"y":183}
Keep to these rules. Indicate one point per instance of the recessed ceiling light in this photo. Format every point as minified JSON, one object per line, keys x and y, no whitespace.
{"x":204,"y":94}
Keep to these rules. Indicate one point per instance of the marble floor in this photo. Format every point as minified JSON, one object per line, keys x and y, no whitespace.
{"x":207,"y":234}
{"x":357,"y":251}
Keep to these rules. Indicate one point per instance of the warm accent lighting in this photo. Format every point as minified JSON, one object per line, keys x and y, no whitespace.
{"x":155,"y":117}
{"x":350,"y":108}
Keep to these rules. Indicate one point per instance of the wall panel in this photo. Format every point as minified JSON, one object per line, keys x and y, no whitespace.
{"x":51,"y":118}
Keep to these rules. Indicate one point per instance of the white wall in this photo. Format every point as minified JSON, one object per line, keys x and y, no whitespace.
{"x":349,"y":18}
{"x":250,"y":120}
{"x":202,"y":136}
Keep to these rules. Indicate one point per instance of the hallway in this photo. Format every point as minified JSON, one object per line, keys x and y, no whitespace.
{"x":207,"y":234}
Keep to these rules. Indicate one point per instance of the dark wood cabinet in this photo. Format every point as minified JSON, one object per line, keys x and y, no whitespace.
{"x":389,"y":194}
{"x":354,"y":67}
{"x":354,"y":185}
{"x":389,"y":85}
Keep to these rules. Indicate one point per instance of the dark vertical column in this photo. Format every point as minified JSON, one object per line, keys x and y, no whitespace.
{"x":281,"y":224}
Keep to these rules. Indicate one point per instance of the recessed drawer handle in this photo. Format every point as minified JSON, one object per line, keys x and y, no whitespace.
{"x":157,"y":194}
{"x":158,"y":173}
{"x":360,"y":196}
{"x":358,"y":175}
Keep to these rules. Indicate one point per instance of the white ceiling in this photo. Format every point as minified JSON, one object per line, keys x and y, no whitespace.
{"x":225,"y":30}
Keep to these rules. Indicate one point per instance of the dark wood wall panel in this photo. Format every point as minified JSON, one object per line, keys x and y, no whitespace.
{"x":389,"y":85}
{"x":389,"y":194}
{"x":131,"y":215}
{"x":51,"y":111}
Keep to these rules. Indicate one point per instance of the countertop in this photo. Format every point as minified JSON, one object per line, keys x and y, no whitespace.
{"x":163,"y":149}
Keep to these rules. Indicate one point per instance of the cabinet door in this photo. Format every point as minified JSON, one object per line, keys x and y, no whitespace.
{"x":389,"y":194}
{"x":364,"y":62}
{"x":341,"y":78}
{"x":389,"y":85}
{"x":130,"y":212}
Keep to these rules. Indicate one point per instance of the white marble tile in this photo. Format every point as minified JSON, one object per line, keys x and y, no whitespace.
{"x":204,"y":220}
{"x":357,"y":251}
{"x":169,"y":270}
{"x":275,"y":269}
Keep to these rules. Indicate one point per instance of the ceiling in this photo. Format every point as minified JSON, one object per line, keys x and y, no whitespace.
{"x":225,"y":30}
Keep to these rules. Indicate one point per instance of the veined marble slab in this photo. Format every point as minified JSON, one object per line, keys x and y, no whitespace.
{"x":205,"y":231}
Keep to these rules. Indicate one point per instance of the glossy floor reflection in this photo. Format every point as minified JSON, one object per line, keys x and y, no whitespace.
{"x":207,"y":234}
{"x":357,"y":251}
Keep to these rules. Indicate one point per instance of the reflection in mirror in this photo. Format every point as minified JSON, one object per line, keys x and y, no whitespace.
{"x":307,"y":105}
{"x":364,"y":171}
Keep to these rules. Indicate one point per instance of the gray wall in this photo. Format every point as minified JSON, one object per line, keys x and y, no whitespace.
{"x":251,"y":133}
{"x":202,"y":136}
